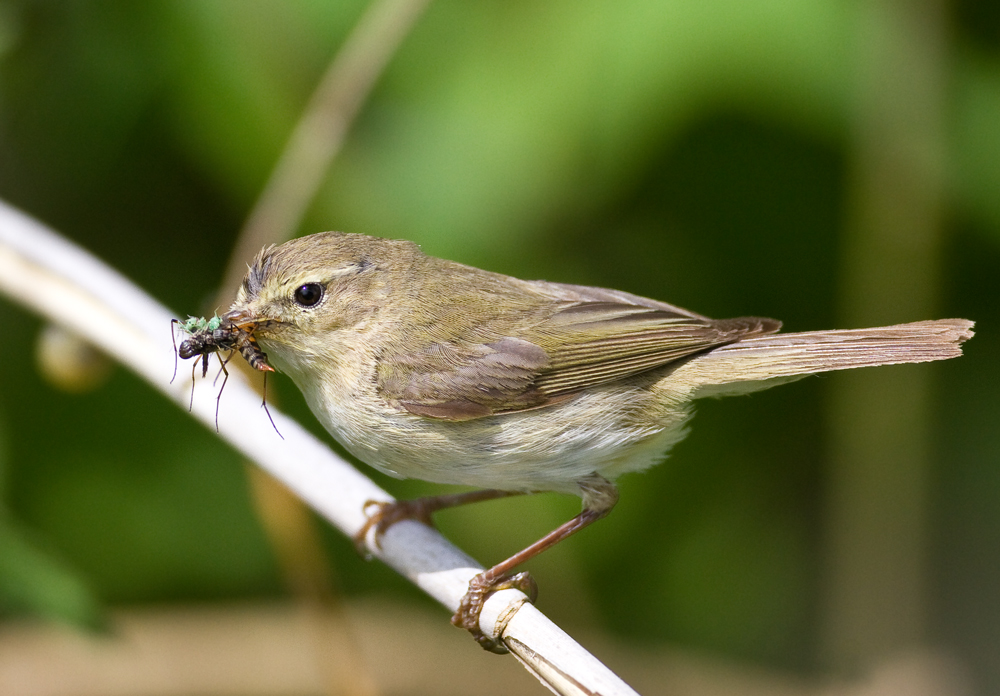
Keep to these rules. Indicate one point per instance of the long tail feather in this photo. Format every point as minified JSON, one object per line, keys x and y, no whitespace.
{"x":762,"y":361}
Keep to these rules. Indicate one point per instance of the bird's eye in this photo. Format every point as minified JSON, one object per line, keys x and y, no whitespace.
{"x":308,"y":295}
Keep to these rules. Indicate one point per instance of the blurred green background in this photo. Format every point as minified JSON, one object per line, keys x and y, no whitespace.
{"x":703,"y":153}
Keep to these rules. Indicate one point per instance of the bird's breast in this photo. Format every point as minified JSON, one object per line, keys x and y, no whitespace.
{"x":551,"y":448}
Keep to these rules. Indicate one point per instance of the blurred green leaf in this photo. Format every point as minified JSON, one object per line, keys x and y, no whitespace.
{"x":33,"y":582}
{"x":695,"y":152}
{"x":976,"y":178}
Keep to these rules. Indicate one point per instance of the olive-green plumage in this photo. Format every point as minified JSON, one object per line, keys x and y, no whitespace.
{"x":429,"y":369}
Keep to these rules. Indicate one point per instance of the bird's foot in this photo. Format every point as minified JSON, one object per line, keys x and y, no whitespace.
{"x":480,"y":589}
{"x":384,"y":515}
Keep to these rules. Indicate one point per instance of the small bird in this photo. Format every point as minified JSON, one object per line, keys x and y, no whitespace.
{"x":426,"y":368}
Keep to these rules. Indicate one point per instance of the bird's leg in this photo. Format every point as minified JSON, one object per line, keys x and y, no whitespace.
{"x":599,"y":497}
{"x":385,"y":515}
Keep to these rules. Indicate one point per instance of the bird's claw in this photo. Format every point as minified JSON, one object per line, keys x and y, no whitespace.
{"x":384,"y":516}
{"x":480,"y":589}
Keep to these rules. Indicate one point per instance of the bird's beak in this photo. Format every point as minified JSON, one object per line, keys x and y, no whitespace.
{"x":240,"y":317}
{"x":246,"y":320}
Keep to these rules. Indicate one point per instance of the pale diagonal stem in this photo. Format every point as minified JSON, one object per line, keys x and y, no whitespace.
{"x":86,"y":296}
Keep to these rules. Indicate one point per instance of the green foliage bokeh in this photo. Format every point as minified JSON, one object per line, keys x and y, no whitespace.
{"x":693,"y":152}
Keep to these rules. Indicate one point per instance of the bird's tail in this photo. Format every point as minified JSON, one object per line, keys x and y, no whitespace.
{"x":762,"y":361}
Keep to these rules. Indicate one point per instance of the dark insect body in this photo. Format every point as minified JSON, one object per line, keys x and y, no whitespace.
{"x":207,"y":336}
{"x":247,"y":345}
{"x":217,"y":335}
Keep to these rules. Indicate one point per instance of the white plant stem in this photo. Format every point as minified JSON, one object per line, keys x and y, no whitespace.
{"x":62,"y":282}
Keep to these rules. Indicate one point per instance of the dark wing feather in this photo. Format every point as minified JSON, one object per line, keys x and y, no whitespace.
{"x":602,"y":342}
{"x":580,"y":345}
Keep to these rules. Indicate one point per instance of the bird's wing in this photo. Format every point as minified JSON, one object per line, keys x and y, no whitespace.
{"x":580,"y":345}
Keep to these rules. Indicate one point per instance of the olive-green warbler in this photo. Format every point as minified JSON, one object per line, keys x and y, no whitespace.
{"x":430,"y":369}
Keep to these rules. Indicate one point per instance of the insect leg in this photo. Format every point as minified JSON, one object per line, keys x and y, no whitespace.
{"x":218,"y":398}
{"x":173,"y":340}
{"x":191,"y":400}
{"x":263,"y":403}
